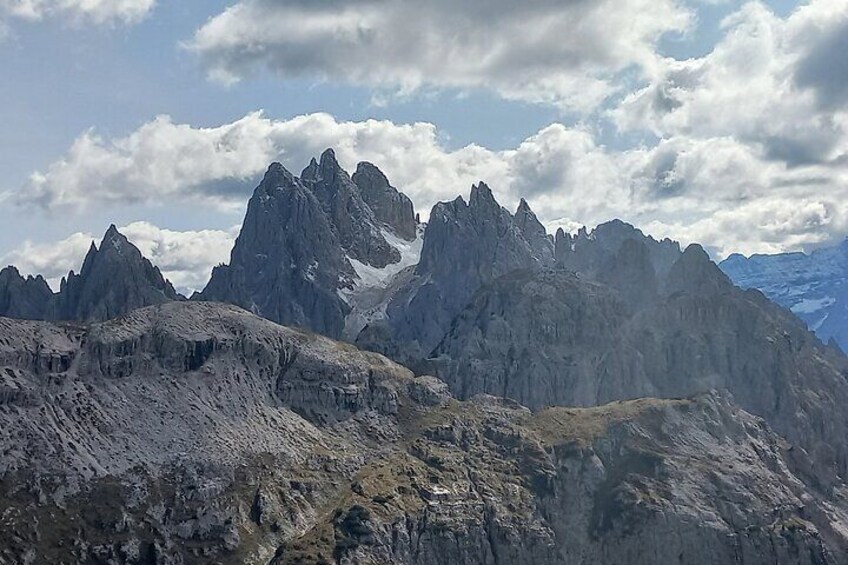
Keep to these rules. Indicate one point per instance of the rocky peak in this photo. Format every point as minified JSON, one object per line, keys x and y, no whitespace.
{"x":349,"y":215}
{"x":390,"y":207}
{"x":696,"y":273}
{"x":115,"y":278}
{"x":465,"y":246}
{"x":304,"y":244}
{"x":23,"y":298}
{"x":589,"y":252}
{"x":534,"y":232}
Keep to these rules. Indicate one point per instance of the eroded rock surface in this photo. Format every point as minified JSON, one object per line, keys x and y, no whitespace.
{"x":199,"y":433}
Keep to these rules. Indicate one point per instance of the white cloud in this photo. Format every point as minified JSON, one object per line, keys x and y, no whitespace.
{"x":716,"y":190}
{"x":79,"y":11}
{"x":749,"y":87}
{"x":562,"y":52}
{"x":186,"y":258}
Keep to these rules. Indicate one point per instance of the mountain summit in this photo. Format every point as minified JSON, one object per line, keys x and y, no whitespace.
{"x":310,"y":244}
{"x":115,"y":278}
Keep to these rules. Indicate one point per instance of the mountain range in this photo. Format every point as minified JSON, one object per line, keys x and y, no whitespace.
{"x":813,"y":286}
{"x":356,"y":386}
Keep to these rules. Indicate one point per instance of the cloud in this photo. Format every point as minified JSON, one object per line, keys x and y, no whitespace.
{"x":773,"y":82}
{"x":186,"y":258}
{"x":79,"y":11}
{"x":561,"y":52}
{"x":718,"y":190}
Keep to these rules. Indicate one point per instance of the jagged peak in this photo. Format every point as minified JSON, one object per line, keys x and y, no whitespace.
{"x":373,"y":171}
{"x":10,"y":270}
{"x":114,"y":238}
{"x":523,"y":208}
{"x":481,"y":194}
{"x":275,"y":177}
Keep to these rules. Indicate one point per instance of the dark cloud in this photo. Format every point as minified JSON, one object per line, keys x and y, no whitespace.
{"x":824,"y":67}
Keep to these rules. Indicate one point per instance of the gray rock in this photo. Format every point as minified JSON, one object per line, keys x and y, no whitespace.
{"x":24,"y":298}
{"x":199,"y":433}
{"x":555,"y":338}
{"x":296,"y":258}
{"x":394,"y":209}
{"x":465,"y":246}
{"x":287,"y":264}
{"x":587,"y":252}
{"x":115,"y":279}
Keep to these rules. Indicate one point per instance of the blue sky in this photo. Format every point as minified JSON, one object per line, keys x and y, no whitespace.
{"x":688,"y":118}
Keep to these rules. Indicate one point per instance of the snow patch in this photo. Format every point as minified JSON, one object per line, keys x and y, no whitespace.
{"x":810,"y":305}
{"x":372,"y":287}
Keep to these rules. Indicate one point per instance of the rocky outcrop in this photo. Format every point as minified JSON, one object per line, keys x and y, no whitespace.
{"x":23,"y":298}
{"x":115,"y":279}
{"x":311,"y":246}
{"x":198,"y":433}
{"x":350,"y":217}
{"x":390,"y":207}
{"x":465,"y":246}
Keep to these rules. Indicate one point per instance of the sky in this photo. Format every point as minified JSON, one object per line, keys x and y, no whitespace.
{"x":723,"y":122}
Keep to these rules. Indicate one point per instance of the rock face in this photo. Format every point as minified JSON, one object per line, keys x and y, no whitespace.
{"x":254,"y":443}
{"x":115,"y":279}
{"x":23,"y":298}
{"x":589,"y":252}
{"x":556,"y":338}
{"x":465,"y":246}
{"x":309,"y":245}
{"x":812,"y":285}
{"x":389,"y":206}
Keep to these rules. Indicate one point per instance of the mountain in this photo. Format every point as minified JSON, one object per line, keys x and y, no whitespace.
{"x":465,"y":246}
{"x":814,"y":286}
{"x":115,"y":279}
{"x":196,"y":432}
{"x":311,"y":246}
{"x":24,"y":298}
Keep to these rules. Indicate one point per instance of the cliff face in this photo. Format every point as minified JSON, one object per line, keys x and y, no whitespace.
{"x":23,"y":298}
{"x":557,"y":338}
{"x":251,"y":442}
{"x":310,"y":244}
{"x":465,"y":246}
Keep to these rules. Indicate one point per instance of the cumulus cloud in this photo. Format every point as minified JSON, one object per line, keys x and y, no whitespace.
{"x":186,"y":258}
{"x":80,"y":11}
{"x":562,"y":52}
{"x":770,"y":81}
{"x":719,"y":190}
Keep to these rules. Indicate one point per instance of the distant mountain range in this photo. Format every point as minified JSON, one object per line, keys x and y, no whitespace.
{"x":813,"y":286}
{"x":498,"y":394}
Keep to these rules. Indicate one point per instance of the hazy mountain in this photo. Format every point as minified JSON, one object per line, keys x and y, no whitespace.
{"x":814,"y":286}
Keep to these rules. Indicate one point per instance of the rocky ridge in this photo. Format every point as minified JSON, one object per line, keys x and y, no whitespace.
{"x":465,"y":246}
{"x":250,"y":442}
